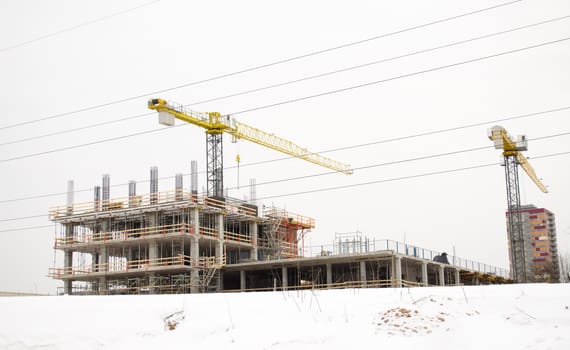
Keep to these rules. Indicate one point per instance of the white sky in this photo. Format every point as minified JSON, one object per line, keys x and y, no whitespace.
{"x":173,"y":42}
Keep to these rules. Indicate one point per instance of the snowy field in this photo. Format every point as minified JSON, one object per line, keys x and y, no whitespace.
{"x":475,"y":317}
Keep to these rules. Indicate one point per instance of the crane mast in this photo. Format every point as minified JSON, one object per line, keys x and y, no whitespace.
{"x":512,"y":159}
{"x":216,"y":125}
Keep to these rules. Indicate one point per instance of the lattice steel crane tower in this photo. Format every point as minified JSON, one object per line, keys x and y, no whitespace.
{"x":513,"y":158}
{"x":216,"y":125}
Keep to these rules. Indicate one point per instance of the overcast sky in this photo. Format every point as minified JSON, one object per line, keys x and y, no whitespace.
{"x":61,"y":56}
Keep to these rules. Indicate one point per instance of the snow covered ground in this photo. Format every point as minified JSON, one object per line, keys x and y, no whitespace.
{"x":474,"y":317}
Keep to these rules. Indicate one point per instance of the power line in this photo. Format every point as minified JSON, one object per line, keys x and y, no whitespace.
{"x":76,"y":129}
{"x":303,"y":98}
{"x":401,"y":178}
{"x":300,"y":79}
{"x":354,"y":169}
{"x":316,"y":175}
{"x":89,"y":143}
{"x":401,"y":138}
{"x":25,"y":228}
{"x":331,"y":92}
{"x":370,"y":166}
{"x":379,"y":61}
{"x":226,"y":75}
{"x":428,"y":133}
{"x":68,"y":29}
{"x":398,"y":161}
{"x":355,"y":185}
{"x":24,"y":217}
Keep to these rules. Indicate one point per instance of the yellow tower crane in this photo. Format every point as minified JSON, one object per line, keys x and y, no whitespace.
{"x":216,"y":125}
{"x":513,"y":158}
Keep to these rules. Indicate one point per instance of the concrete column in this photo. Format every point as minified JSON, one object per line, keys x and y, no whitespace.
{"x":152,"y":252}
{"x":253,"y":233}
{"x":103,"y":259}
{"x":441,"y":275}
{"x":103,"y":285}
{"x":95,"y":261}
{"x":178,"y":192}
{"x":68,"y":265}
{"x":69,"y":197}
{"x":153,"y":185}
{"x":457,"y":277}
{"x":103,"y":267}
{"x":284,"y":277}
{"x":242,"y":281}
{"x":424,"y":274}
{"x":130,"y":255}
{"x":362,"y":270}
{"x":104,"y":228}
{"x":220,"y":244}
{"x":68,"y":260}
{"x":397,"y":278}
{"x":152,"y":219}
{"x":329,"y":274}
{"x":195,"y":251}
{"x":152,"y":283}
{"x":195,"y":272}
{"x":195,"y":217}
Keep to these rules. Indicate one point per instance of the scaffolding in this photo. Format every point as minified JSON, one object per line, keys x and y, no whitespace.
{"x":350,"y":243}
{"x":284,"y":233}
{"x":164,"y":242}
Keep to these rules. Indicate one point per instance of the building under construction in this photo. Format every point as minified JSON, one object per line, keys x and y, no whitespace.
{"x":182,"y":242}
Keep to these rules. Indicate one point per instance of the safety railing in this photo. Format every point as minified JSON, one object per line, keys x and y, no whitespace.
{"x":369,"y":246}
{"x":338,"y":285}
{"x":123,"y":235}
{"x":138,"y":265}
{"x":291,"y":218}
{"x":150,"y":199}
{"x":209,"y":231}
{"x":145,"y":233}
{"x":237,"y":237}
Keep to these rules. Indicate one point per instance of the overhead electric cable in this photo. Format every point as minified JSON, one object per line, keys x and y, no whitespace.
{"x":401,"y":138}
{"x":33,"y":138}
{"x":354,"y":185}
{"x":226,"y":75}
{"x":77,"y":26}
{"x":302,"y":98}
{"x":434,"y":132}
{"x":394,"y":162}
{"x":315,"y":175}
{"x":89,"y":143}
{"x":377,"y":165}
{"x":297,"y":80}
{"x":25,"y":228}
{"x":399,"y":178}
{"x":331,"y":92}
{"x":393,"y":58}
{"x":24,"y":217}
